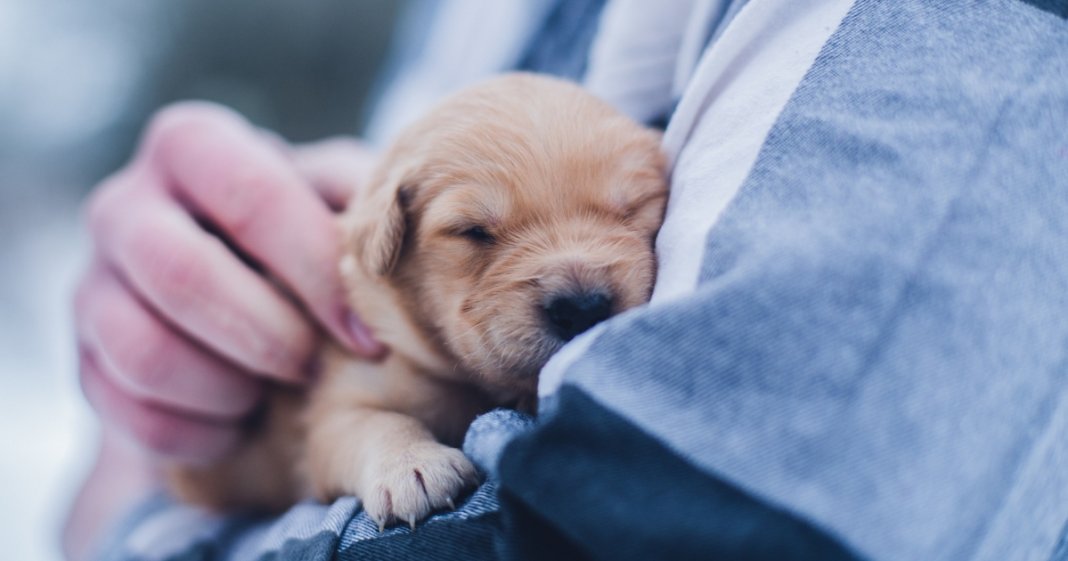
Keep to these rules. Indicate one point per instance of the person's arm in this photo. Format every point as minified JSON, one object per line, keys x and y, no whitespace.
{"x":214,"y":268}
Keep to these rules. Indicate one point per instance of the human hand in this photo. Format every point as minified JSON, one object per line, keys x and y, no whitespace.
{"x":176,"y":327}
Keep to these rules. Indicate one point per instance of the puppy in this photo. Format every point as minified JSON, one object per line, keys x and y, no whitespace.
{"x":510,"y":219}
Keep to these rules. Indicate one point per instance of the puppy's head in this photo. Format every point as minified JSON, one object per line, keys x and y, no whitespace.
{"x":512,"y":218}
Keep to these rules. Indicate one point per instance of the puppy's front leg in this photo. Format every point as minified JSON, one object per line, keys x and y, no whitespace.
{"x":389,"y":460}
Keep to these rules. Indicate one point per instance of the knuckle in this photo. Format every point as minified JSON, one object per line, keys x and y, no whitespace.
{"x":142,"y":358}
{"x":181,"y":276}
{"x":177,"y":276}
{"x":98,"y":206}
{"x":188,"y":114}
{"x":109,"y":205}
{"x":137,"y":350}
{"x":187,"y":121}
{"x":250,"y":200}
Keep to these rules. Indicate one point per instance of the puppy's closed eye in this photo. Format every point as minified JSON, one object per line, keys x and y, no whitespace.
{"x":507,"y":222}
{"x":477,"y":234}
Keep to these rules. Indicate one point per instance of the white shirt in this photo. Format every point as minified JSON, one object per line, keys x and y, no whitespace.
{"x":730,"y":65}
{"x":731,"y":93}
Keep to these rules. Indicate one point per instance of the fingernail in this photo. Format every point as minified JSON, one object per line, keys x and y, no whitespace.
{"x":362,"y":337}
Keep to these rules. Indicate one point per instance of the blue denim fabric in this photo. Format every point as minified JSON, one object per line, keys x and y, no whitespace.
{"x":561,"y":46}
{"x":162,"y":530}
{"x":878,"y":340}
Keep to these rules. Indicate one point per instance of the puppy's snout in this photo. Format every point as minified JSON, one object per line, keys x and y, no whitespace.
{"x":571,"y":314}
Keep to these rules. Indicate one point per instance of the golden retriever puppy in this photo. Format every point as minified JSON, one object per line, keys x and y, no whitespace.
{"x":510,"y":219}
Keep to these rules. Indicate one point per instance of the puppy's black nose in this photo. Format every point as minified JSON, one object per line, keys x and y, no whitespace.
{"x":572,"y":314}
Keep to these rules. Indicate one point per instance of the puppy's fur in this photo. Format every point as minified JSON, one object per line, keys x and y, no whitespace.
{"x":496,"y":228}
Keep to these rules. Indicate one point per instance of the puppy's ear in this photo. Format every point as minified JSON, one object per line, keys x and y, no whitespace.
{"x":375,"y":225}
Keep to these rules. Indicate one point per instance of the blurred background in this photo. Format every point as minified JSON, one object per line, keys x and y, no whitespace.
{"x":77,"y":81}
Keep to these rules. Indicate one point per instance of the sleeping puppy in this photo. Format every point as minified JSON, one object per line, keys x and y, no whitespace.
{"x":510,"y":219}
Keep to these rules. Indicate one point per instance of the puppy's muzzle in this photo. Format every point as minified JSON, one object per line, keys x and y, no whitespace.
{"x":568,"y":315}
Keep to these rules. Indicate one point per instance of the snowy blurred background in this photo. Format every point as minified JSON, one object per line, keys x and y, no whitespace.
{"x":77,"y":81}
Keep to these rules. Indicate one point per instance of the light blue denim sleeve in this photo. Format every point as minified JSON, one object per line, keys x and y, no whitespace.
{"x":878,"y":341}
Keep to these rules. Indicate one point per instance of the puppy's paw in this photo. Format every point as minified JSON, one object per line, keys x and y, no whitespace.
{"x":407,"y":487}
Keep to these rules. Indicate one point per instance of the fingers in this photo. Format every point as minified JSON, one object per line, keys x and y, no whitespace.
{"x":338,"y":167}
{"x":161,"y":431}
{"x":193,"y":280}
{"x":171,"y":320}
{"x":234,"y":177}
{"x":150,"y":361}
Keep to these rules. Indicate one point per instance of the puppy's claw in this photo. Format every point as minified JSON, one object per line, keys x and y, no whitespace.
{"x":419,"y":479}
{"x":381,"y":527}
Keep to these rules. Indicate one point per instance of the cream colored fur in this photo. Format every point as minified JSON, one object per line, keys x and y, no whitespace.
{"x":507,"y":194}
